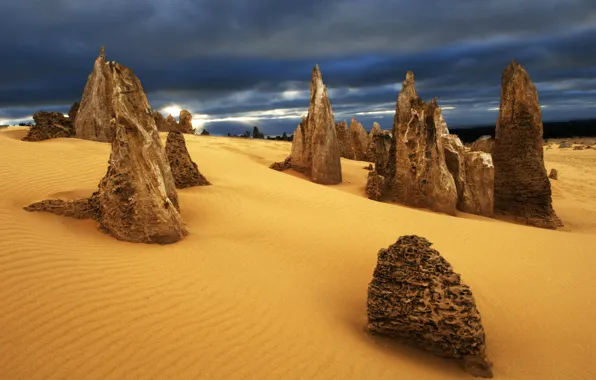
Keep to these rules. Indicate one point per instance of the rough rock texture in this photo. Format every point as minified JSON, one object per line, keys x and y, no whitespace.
{"x":256,"y":134}
{"x":417,"y":298}
{"x":554,"y":174}
{"x":420,"y":177}
{"x":483,"y":144}
{"x":281,"y":166}
{"x":372,"y":151}
{"x":315,"y":149}
{"x":522,"y":188}
{"x":375,"y":186}
{"x":184,"y":170}
{"x":73,"y":112}
{"x":185,"y":122}
{"x":136,"y":200}
{"x":49,"y":125}
{"x":382,"y":146}
{"x":97,"y":104}
{"x":479,"y":184}
{"x":455,"y":158}
{"x":360,"y":141}
{"x":345,"y":142}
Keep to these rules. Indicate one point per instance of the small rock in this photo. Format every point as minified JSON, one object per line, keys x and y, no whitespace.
{"x":369,"y":167}
{"x":375,"y":185}
{"x":185,"y":123}
{"x":281,"y":166}
{"x":579,"y":147}
{"x":565,"y":145}
{"x":554,"y":174}
{"x":50,"y":125}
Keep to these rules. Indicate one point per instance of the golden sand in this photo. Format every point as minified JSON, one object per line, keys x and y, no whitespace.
{"x":271,"y":282}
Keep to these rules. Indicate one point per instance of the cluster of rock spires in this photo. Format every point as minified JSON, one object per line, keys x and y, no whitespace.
{"x":417,"y":298}
{"x":136,"y":200}
{"x":315,"y":147}
{"x":426,"y":166}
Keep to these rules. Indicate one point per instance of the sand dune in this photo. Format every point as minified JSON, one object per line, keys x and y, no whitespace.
{"x":271,"y":281}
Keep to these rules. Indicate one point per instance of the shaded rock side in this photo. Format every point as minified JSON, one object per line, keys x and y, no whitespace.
{"x":185,"y":122}
{"x":479,"y":180}
{"x":73,"y":112}
{"x":483,"y":144}
{"x":325,"y":165}
{"x":136,"y":200}
{"x":522,"y":188}
{"x":417,"y":298}
{"x":375,"y":186}
{"x":554,"y":174}
{"x":420,"y":175}
{"x":184,"y":170}
{"x":256,"y":134}
{"x":343,"y":138}
{"x":455,"y":159}
{"x":360,"y":141}
{"x":382,"y":145}
{"x":371,"y":150}
{"x":49,"y":125}
{"x":281,"y":166}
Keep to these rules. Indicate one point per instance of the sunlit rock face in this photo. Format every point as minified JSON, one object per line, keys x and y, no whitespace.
{"x":136,"y":200}
{"x":108,"y":82}
{"x":360,"y":140}
{"x":315,"y":148}
{"x":522,"y":188}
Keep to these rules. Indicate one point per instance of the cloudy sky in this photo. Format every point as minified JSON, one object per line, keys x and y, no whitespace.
{"x":239,"y":63}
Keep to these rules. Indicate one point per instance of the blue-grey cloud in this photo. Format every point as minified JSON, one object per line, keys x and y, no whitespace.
{"x":235,"y":64}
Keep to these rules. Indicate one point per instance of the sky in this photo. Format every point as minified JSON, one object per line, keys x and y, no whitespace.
{"x":238,"y":64}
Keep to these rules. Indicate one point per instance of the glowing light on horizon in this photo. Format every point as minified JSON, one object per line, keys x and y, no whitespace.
{"x":173,"y":110}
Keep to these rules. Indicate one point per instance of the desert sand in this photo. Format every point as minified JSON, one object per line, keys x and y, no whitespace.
{"x":271,"y":282}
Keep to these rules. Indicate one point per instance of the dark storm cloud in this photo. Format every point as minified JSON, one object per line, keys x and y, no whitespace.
{"x":234,"y":59}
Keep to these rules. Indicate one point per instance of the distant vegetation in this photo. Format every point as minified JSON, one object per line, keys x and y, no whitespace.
{"x":552,"y":130}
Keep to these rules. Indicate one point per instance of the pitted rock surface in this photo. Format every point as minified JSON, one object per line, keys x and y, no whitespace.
{"x":554,"y":174}
{"x":375,"y":186}
{"x":522,"y":188}
{"x":49,"y":125}
{"x":382,"y":147}
{"x":136,"y":200}
{"x":360,"y":141}
{"x":315,"y":149}
{"x":345,"y":142}
{"x":184,"y":169}
{"x":417,"y":298}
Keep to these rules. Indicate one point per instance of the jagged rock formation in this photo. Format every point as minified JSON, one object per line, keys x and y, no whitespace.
{"x":185,"y":122}
{"x":372,"y":151}
{"x":184,"y":169}
{"x":164,"y":124}
{"x":421,"y":177}
{"x":360,"y":141}
{"x":554,"y":174}
{"x":417,"y":298}
{"x":256,"y":134}
{"x":483,"y":144}
{"x":479,"y":183}
{"x":345,"y":142}
{"x":522,"y":188}
{"x":205,"y":132}
{"x":49,"y":125}
{"x":73,"y":112}
{"x":315,"y":149}
{"x":101,"y":93}
{"x":136,"y":200}
{"x":375,"y":186}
